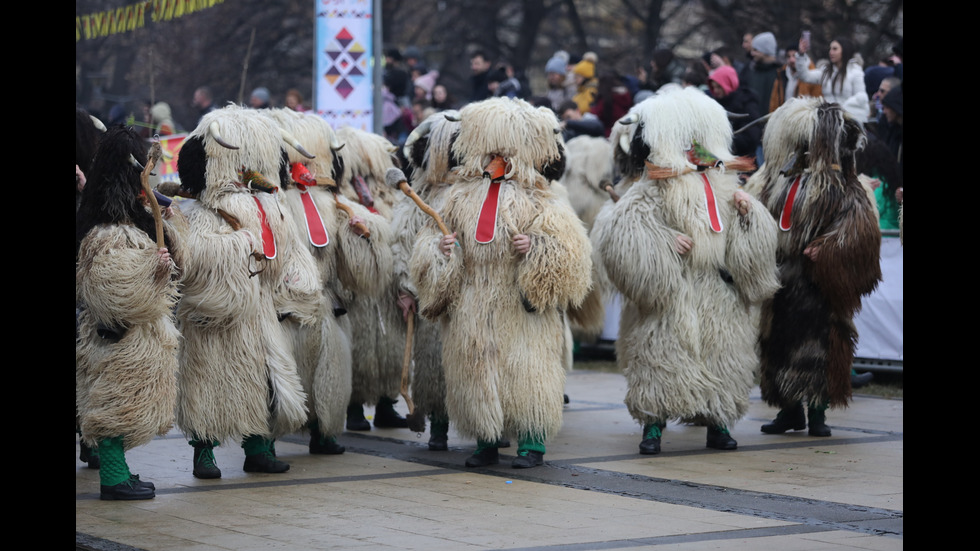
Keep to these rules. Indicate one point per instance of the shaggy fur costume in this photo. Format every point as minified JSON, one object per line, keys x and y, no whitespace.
{"x":431,"y":160}
{"x":238,"y":375}
{"x":589,"y":168}
{"x":126,"y":348}
{"x":808,"y":337}
{"x":347,"y":262}
{"x":503,"y":356}
{"x":378,"y":329}
{"x":687,"y":332}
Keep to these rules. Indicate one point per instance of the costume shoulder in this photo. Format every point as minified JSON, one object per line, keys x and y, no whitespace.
{"x":117,"y":277}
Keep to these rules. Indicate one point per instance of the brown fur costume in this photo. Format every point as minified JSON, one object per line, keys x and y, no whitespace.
{"x":503,"y":357}
{"x":238,"y":376}
{"x":347,"y":261}
{"x":126,"y":348}
{"x":687,"y":333}
{"x":808,"y":336}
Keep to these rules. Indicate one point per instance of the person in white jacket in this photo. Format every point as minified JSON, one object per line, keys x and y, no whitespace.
{"x":842,"y":79}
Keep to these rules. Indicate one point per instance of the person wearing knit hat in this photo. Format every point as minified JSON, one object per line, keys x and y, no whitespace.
{"x":724,"y":85}
{"x":587,"y":86}
{"x":762,"y":72}
{"x":557,"y":64}
{"x":424,"y":85}
{"x":556,"y":73}
{"x":260,"y":98}
{"x":764,"y":43}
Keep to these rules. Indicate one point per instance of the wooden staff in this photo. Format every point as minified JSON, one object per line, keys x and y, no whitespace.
{"x":152,"y":158}
{"x":608,"y":187}
{"x":396,"y":179}
{"x":407,"y":364}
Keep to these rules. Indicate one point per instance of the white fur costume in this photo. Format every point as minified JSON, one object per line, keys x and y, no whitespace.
{"x":688,"y":331}
{"x":346,"y":261}
{"x":238,"y":376}
{"x":430,"y":158}
{"x":127,"y":387}
{"x":378,"y":329}
{"x":504,"y":364}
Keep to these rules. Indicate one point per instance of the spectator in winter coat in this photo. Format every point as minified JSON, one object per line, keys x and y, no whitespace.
{"x":739,"y":100}
{"x":841,"y":80}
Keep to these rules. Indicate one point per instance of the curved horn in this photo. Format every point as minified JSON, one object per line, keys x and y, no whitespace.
{"x":291,"y":140}
{"x":421,"y":131}
{"x":629,"y":118}
{"x":624,"y":142}
{"x":335,"y":144}
{"x":216,"y":134}
{"x":736,"y":115}
{"x":98,"y":124}
{"x":453,"y":117}
{"x":134,"y":162}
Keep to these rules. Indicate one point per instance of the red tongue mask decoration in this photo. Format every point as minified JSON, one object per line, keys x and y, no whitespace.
{"x":486,"y":224}
{"x":785,"y":222}
{"x":363,"y":193}
{"x":703,"y":159}
{"x":268,"y":239}
{"x":314,"y":222}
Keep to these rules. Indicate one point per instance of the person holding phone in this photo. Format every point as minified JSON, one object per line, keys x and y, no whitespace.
{"x":841,"y":79}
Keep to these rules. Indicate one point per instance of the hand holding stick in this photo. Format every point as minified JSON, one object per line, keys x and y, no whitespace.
{"x":152,"y":158}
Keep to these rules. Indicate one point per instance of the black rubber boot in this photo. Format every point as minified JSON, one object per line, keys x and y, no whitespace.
{"x":356,"y":419}
{"x":861,"y":379}
{"x":385,"y":416}
{"x":650,"y":445}
{"x":818,"y":421}
{"x":438,"y":433}
{"x":486,"y":454}
{"x":260,"y":456}
{"x":89,"y":456}
{"x":324,"y":445}
{"x":791,"y":418}
{"x":205,"y":466}
{"x":127,"y":490}
{"x":720,"y":439}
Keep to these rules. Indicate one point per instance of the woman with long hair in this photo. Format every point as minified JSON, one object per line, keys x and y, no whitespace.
{"x":841,"y":79}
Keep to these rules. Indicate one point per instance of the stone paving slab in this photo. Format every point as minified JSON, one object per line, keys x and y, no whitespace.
{"x":595,"y":491}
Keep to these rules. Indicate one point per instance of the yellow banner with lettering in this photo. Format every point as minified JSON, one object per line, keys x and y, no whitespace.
{"x":133,"y":16}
